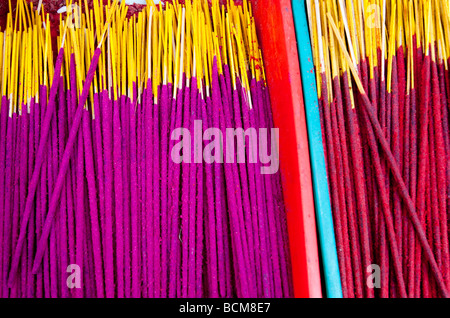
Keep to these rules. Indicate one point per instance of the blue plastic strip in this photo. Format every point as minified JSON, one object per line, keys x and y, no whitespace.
{"x":320,"y":184}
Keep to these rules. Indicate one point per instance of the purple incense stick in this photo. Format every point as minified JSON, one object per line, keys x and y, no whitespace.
{"x":31,"y":234}
{"x":92,"y":190}
{"x":118,"y":197}
{"x":147,"y":222}
{"x":52,"y":170}
{"x":125,"y":105}
{"x":141,"y":190}
{"x":175,"y":248}
{"x":165,"y":111}
{"x":3,"y":123}
{"x":43,"y":198}
{"x":244,"y":185}
{"x":155,"y":282}
{"x":134,"y":197}
{"x":146,"y":188}
{"x":71,"y":185}
{"x":38,"y":218}
{"x":17,"y":132}
{"x":109,"y":181}
{"x":201,"y":109}
{"x":124,"y":110}
{"x":80,"y":228}
{"x":23,"y":182}
{"x":210,"y":223}
{"x":62,"y":124}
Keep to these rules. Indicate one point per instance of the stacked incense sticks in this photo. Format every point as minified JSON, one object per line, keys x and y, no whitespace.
{"x":384,"y":104}
{"x":92,"y":203}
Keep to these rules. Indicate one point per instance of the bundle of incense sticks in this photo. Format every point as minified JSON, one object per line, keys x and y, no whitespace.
{"x":384,"y":103}
{"x":107,"y":188}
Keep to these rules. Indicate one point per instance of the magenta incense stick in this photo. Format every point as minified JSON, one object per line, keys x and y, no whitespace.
{"x":175,"y":204}
{"x":201,"y":104}
{"x":31,"y":237}
{"x":99,"y":165}
{"x":71,"y":186}
{"x":210,"y":224}
{"x":125,"y":104}
{"x":134,"y":196}
{"x":38,"y":220}
{"x":118,"y":197}
{"x":161,"y":273}
{"x":43,"y":198}
{"x":147,"y":217}
{"x":23,"y":180}
{"x":191,"y":292}
{"x":3,"y":133}
{"x":80,"y":227}
{"x":109,"y":182}
{"x":15,"y":290}
{"x":90,"y":176}
{"x":156,"y":250}
{"x":63,"y":241}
